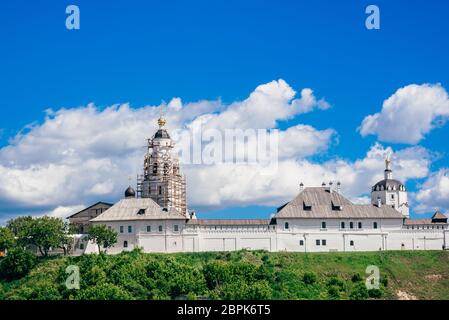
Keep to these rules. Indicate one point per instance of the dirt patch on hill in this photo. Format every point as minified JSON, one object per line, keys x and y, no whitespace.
{"x":402,"y":295}
{"x":434,"y":277}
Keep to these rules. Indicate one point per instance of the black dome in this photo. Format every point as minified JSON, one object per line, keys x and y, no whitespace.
{"x":130,"y":193}
{"x":390,"y":184}
{"x":162,"y":134}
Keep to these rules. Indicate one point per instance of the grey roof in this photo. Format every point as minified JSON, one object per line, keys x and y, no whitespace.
{"x":138,"y":209}
{"x":414,"y":222}
{"x":439,"y":216}
{"x":391,"y":183}
{"x":106,"y":204}
{"x":228,"y":222}
{"x":162,"y":134}
{"x":322,"y":203}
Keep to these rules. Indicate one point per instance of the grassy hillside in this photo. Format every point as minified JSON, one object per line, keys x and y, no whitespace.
{"x":237,"y":275}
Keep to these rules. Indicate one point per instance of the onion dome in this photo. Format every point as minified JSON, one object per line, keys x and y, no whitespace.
{"x":130,"y":193}
{"x":388,"y":183}
{"x":162,"y":134}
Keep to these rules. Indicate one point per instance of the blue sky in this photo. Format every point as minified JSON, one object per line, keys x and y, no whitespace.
{"x":146,"y":52}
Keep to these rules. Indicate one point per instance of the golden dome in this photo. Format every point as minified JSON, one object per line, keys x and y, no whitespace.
{"x":162,"y":121}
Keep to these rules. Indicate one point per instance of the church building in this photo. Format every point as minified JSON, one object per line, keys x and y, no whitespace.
{"x":155,"y":217}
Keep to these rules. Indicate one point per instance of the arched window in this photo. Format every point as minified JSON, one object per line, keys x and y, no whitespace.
{"x":351,"y":225}
{"x":375,"y":225}
{"x":351,"y":243}
{"x":360,"y":225}
{"x":160,"y":190}
{"x":286,"y":226}
{"x":125,"y":244}
{"x":342,"y":225}
{"x":155,"y":168}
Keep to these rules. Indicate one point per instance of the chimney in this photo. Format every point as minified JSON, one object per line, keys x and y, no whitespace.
{"x":338,"y":186}
{"x":301,"y":186}
{"x":379,"y":202}
{"x":331,"y":187}
{"x":323,"y":184}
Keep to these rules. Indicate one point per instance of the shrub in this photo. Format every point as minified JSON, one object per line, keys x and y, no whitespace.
{"x":359,"y":292}
{"x":335,"y":282}
{"x":309,"y":278}
{"x":356,"y":278}
{"x":17,"y":264}
{"x":375,"y":293}
{"x":104,"y":291}
{"x":384,"y":280}
{"x":334,"y":292}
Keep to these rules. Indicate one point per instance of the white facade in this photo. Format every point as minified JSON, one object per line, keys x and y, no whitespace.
{"x":317,"y":220}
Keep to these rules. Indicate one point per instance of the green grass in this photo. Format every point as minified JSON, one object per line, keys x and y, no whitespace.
{"x":236,"y":275}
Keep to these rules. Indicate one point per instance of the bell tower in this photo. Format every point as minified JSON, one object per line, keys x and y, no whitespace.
{"x":162,"y":180}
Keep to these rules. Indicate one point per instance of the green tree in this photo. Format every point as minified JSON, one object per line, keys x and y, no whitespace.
{"x":17,"y":263}
{"x":7,"y":239}
{"x":102,"y":236}
{"x":43,"y":232}
{"x":20,"y":228}
{"x":46,"y":233}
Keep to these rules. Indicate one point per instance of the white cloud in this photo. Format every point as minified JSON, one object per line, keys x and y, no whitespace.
{"x":64,"y":212}
{"x":82,"y":155}
{"x":224,"y":184}
{"x":409,"y":114}
{"x":434,"y":192}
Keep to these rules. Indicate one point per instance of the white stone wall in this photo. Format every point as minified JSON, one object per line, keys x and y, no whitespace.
{"x":303,"y":235}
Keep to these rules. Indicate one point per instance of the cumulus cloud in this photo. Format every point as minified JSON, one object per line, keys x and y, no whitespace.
{"x":78,"y":156}
{"x":81,"y":155}
{"x":434,"y":193}
{"x":409,"y":114}
{"x":225,"y":184}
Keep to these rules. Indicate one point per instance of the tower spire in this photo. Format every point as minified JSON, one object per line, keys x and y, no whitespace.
{"x":161,"y":121}
{"x":388,"y":172}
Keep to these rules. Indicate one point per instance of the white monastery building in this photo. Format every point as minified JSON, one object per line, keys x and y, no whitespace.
{"x":319,"y":219}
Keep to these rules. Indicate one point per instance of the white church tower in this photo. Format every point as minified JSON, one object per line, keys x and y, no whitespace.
{"x":390,"y":192}
{"x":162,"y":180}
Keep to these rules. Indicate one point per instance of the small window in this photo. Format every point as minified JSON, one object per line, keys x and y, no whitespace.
{"x":160,"y":190}
{"x":160,"y":228}
{"x":342,"y":224}
{"x":374,"y":225}
{"x":360,"y":225}
{"x":81,"y":246}
{"x":286,"y":226}
{"x":122,"y":229}
{"x":125,"y":244}
{"x":176,"y":228}
{"x":323,"y":242}
{"x":351,"y":243}
{"x":318,"y":242}
{"x":351,"y":225}
{"x":392,"y":197}
{"x":148,"y":228}
{"x":130,"y":229}
{"x":301,"y":242}
{"x":323,"y":225}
